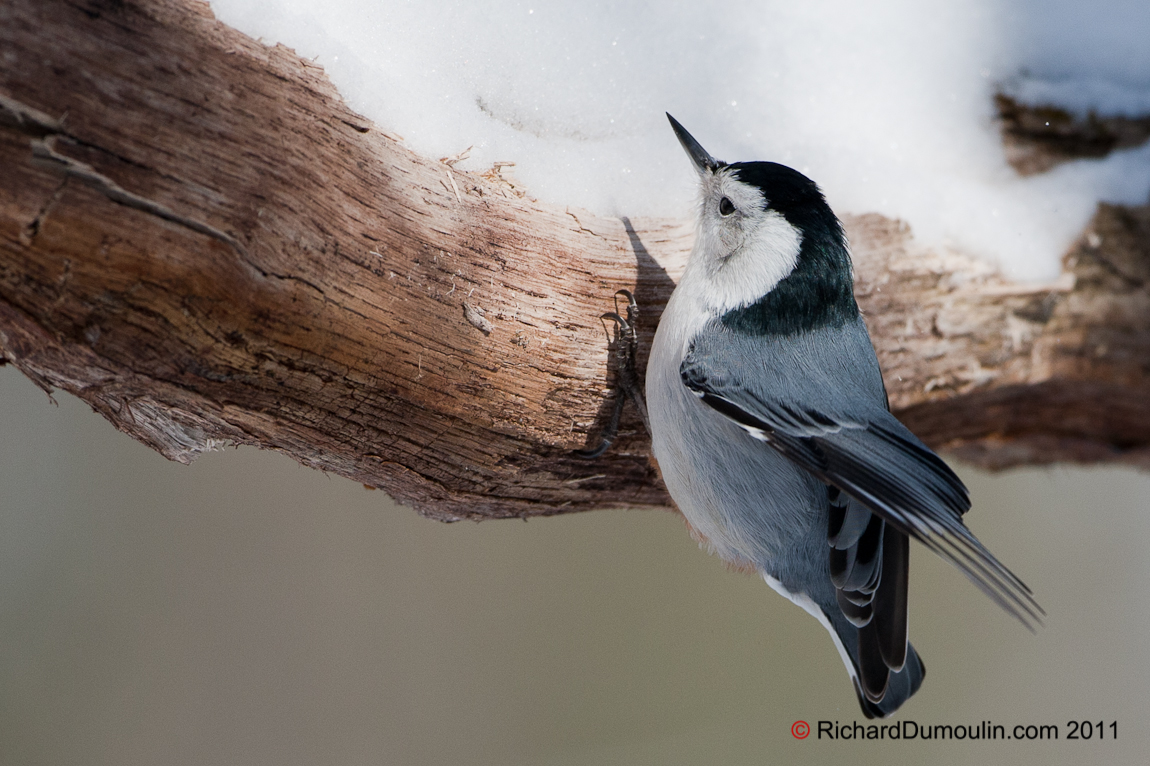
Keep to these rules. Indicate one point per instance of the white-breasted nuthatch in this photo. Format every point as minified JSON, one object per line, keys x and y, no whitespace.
{"x":770,"y":424}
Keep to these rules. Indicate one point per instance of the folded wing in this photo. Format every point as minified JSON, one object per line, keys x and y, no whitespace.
{"x":818,"y":399}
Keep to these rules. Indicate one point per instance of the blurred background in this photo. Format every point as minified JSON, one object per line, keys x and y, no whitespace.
{"x":249,"y":610}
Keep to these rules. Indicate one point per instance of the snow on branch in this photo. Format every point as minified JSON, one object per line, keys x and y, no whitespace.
{"x":199,"y":239}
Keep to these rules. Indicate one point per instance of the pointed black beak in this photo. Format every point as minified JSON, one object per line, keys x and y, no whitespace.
{"x":703,"y":161}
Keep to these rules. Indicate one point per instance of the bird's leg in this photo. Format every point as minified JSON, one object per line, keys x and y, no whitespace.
{"x":626,"y":345}
{"x":627,"y":352}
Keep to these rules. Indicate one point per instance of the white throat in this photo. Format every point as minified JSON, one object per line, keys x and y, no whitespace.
{"x":736,"y":260}
{"x":767,"y":254}
{"x":743,"y":248}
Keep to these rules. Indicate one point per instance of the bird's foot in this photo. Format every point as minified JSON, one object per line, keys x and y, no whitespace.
{"x":625,"y":345}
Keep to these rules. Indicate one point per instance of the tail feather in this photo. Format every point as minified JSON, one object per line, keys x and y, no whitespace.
{"x":873,"y":674}
{"x":890,"y":600}
{"x":870,"y":571}
{"x":901,"y":686}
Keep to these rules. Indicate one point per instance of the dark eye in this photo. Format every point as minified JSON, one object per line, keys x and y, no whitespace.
{"x":726,"y":207}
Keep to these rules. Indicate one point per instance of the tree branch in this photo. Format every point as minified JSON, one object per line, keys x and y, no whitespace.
{"x":199,"y":239}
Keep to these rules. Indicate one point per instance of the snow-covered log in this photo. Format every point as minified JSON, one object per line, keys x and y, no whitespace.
{"x":199,"y":239}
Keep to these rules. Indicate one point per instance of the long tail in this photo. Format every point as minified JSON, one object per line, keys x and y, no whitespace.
{"x":870,"y":566}
{"x":863,"y":604}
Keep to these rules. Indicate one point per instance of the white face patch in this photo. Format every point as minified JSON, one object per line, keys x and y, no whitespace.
{"x":738,"y":257}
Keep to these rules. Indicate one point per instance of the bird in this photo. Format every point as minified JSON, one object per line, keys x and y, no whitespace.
{"x":771,"y":427}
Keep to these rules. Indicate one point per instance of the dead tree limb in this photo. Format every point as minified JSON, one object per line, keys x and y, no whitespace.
{"x":199,"y":239}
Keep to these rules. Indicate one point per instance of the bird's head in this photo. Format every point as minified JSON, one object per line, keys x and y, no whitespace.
{"x":763,"y":226}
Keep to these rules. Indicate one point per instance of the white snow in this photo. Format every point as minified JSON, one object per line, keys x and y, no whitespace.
{"x":886,"y":104}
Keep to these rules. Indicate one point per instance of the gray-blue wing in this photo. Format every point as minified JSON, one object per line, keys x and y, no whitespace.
{"x":818,"y":398}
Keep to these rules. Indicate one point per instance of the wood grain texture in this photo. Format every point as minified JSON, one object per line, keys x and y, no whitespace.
{"x":199,"y":239}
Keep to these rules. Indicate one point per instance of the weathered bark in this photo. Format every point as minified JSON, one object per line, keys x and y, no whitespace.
{"x":199,"y":239}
